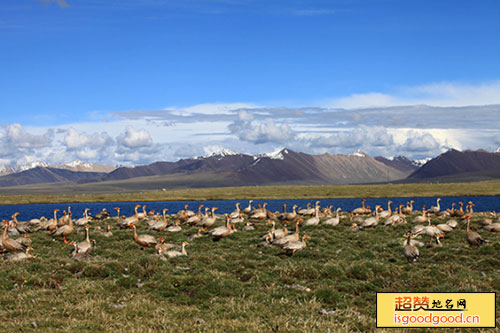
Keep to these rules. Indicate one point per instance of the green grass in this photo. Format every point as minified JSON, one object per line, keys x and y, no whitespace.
{"x":231,"y":285}
{"x":266,"y":192}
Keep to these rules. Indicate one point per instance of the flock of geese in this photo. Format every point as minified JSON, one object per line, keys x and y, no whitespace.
{"x":16,"y":241}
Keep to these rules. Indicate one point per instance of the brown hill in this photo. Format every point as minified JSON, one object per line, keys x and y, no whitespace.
{"x":455,"y":164}
{"x":40,"y":175}
{"x":285,"y":166}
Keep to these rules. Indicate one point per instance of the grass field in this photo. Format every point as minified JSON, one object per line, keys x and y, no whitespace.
{"x":232,"y":285}
{"x":266,"y":192}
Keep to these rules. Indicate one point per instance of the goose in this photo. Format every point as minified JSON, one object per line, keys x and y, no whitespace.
{"x":209,"y":220}
{"x":410,"y":251}
{"x":421,"y":218}
{"x":20,"y":255}
{"x":63,"y":220}
{"x":108,"y":232}
{"x":248,"y":227}
{"x":175,"y":227}
{"x":236,"y":213}
{"x":444,"y":227}
{"x":282,"y":216}
{"x":85,"y":219}
{"x":295,"y":236}
{"x":371,"y":221}
{"x":333,"y":221}
{"x":409,"y":208}
{"x":84,"y":246}
{"x":102,"y":215}
{"x":129,"y":221}
{"x":25,"y":240}
{"x":143,"y":214}
{"x":435,"y":209}
{"x":260,"y":214}
{"x":160,"y":225}
{"x":237,"y":220}
{"x":386,"y":213}
{"x":452,"y":223}
{"x":360,"y":210}
{"x":195,"y":218}
{"x":21,"y":227}
{"x":460,"y":211}
{"x":294,"y":246}
{"x":52,"y":223}
{"x":143,"y":240}
{"x":312,"y":211}
{"x":184,"y":214}
{"x":161,"y":245}
{"x":268,"y":240}
{"x":315,"y":219}
{"x":173,"y":253}
{"x":279,"y":233}
{"x":10,"y":244}
{"x":291,"y":216}
{"x":65,"y":230}
{"x":304,"y":211}
{"x":220,"y":232}
{"x":248,"y":209}
{"x":473,"y":238}
{"x":431,"y":230}
{"x":197,"y":235}
{"x":395,"y":218}
{"x":494,"y":227}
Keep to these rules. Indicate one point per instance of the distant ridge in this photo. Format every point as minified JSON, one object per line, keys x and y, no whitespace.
{"x":400,"y":162}
{"x":283,"y":166}
{"x":454,"y":164}
{"x":41,"y":175}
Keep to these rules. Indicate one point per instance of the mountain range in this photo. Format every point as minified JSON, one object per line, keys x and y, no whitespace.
{"x":228,"y":168}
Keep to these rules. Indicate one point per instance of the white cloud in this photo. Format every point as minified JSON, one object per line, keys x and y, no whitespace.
{"x":444,"y":94}
{"x":258,"y":132}
{"x":75,"y":140}
{"x":133,"y":138}
{"x":420,"y":142}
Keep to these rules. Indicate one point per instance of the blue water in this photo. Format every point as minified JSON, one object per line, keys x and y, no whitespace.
{"x":27,"y":212}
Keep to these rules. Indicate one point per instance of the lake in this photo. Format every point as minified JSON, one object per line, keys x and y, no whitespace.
{"x":27,"y":212}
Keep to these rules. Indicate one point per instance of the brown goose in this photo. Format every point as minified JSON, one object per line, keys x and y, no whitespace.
{"x":65,"y":230}
{"x":83,"y":248}
{"x":10,"y":244}
{"x":196,"y":218}
{"x":293,"y":237}
{"x":173,"y":253}
{"x":410,"y":251}
{"x":294,"y":246}
{"x":143,"y":240}
{"x":473,"y":238}
{"x":127,"y":222}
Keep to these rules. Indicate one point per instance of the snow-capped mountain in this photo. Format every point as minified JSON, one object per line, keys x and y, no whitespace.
{"x":72,"y":166}
{"x":359,"y":153}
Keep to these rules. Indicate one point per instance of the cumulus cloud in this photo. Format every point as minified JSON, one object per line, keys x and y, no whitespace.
{"x":75,"y":140}
{"x":18,"y":146}
{"x":420,"y":142}
{"x":133,"y":138}
{"x":258,"y":132}
{"x":363,"y":136}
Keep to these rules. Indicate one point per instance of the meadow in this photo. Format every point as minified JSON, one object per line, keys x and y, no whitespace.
{"x":232,"y":285}
{"x":41,"y":195}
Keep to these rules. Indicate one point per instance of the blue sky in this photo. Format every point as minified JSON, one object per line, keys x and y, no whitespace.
{"x":89,"y":65}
